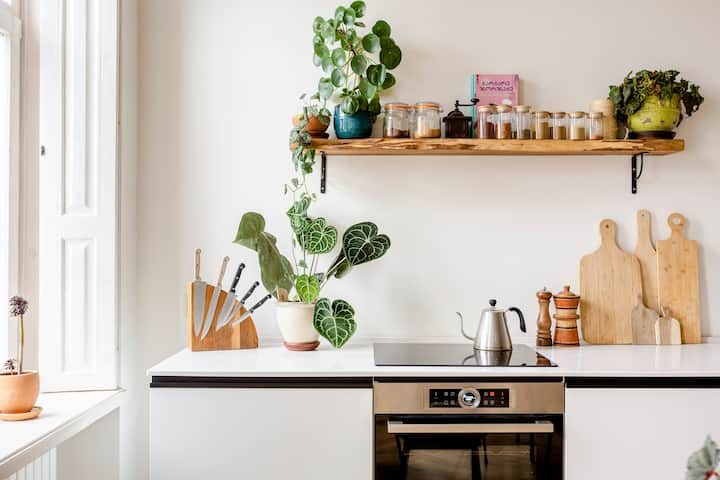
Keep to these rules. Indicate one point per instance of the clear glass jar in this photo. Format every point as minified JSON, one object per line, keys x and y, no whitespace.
{"x":503,"y":122}
{"x":595,"y":126}
{"x":484,"y":122}
{"x":396,"y":122}
{"x":577,"y":126}
{"x":558,"y":126}
{"x":521,"y":125}
{"x":541,"y":125}
{"x":427,"y":120}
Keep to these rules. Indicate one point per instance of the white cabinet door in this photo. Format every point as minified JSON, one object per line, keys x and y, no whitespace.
{"x":260,"y":433}
{"x":636,"y":433}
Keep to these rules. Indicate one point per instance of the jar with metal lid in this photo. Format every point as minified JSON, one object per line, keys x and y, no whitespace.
{"x":521,"y":125}
{"x":503,"y":122}
{"x":577,"y":126}
{"x":396,"y":122}
{"x":558,"y":126}
{"x":595,"y":126}
{"x":541,"y":125}
{"x":427,"y":120}
{"x":484,"y":118}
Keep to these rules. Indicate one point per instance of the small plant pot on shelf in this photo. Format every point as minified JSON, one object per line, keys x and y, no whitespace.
{"x":18,"y":393}
{"x":295,"y":320}
{"x":357,"y":125}
{"x":315,"y":127}
{"x":656,"y":118}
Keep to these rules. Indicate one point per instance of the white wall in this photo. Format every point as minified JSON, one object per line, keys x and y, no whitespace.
{"x":219,"y":81}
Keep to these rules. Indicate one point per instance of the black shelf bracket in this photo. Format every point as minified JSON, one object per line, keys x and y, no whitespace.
{"x":636,"y":173}
{"x":323,"y":171}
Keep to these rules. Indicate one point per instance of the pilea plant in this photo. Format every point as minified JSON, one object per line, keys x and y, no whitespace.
{"x":357,"y":64}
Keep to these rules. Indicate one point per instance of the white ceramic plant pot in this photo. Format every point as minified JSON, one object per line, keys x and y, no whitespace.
{"x":295,"y":320}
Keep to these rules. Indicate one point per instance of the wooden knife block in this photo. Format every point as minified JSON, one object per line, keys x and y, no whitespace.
{"x":228,"y":337}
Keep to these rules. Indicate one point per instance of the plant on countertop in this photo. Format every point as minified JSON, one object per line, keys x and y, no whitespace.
{"x":347,"y":58}
{"x":663,"y":87}
{"x":703,"y":463}
{"x":18,"y":308}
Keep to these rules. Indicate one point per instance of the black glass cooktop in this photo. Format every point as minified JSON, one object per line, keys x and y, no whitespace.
{"x":455,"y":355}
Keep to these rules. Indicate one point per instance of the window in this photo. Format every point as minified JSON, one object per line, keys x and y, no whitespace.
{"x":9,"y":120}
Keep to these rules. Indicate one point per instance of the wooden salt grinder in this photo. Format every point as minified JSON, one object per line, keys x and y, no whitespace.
{"x":566,"y":317}
{"x":543,"y":339}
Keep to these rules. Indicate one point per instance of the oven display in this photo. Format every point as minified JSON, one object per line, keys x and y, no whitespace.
{"x":469,"y":398}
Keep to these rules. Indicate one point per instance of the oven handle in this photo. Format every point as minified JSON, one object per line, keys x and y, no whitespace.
{"x":542,"y":426}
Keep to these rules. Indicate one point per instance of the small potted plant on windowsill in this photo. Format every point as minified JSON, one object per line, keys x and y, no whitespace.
{"x":652,"y":103}
{"x":353,"y":72}
{"x":19,"y":388}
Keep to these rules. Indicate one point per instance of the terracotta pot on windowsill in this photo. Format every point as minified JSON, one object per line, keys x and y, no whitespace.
{"x":18,"y":393}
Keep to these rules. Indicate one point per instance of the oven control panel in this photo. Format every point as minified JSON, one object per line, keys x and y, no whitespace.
{"x":469,"y":398}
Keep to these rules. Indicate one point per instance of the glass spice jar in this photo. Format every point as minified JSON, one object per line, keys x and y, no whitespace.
{"x":558,"y":126}
{"x":595,"y":125}
{"x":396,"y":122}
{"x":541,"y":125}
{"x":503,"y":122}
{"x":484,"y":118}
{"x":427,"y":120}
{"x":521,"y":125}
{"x":577,"y":126}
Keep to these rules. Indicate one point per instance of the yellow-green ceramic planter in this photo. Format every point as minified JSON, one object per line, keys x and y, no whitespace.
{"x":656,"y":115}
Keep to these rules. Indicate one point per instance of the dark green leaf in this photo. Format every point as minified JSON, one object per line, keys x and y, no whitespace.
{"x":337,"y":77}
{"x":298,"y":214}
{"x":307,"y":287}
{"x":359,"y":8}
{"x":349,"y":17}
{"x":366,"y":88}
{"x":359,"y":64}
{"x":381,"y":28}
{"x":327,"y":65}
{"x":386,"y":42}
{"x":328,"y":32}
{"x":361,"y":243}
{"x":339,"y":14}
{"x":252,"y":224}
{"x":391,"y":57}
{"x":389,"y":81}
{"x":371,"y":42}
{"x":318,"y":237}
{"x":321,"y":50}
{"x":374,"y":105}
{"x":339,"y":57}
{"x":376,"y":74}
{"x":349,"y":105}
{"x":318,"y":39}
{"x":335,"y":321}
{"x":359,"y":24}
{"x":325,"y":88}
{"x":343,"y":269}
{"x":317,"y":24}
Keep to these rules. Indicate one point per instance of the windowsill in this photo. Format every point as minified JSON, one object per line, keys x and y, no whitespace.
{"x":64,"y":415}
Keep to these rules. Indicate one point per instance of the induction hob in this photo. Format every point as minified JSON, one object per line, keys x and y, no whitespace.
{"x":455,"y":355}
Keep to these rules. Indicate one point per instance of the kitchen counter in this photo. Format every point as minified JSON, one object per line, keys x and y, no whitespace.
{"x":356,"y":360}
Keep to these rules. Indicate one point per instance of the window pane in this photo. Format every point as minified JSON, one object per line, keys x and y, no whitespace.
{"x":5,"y":189}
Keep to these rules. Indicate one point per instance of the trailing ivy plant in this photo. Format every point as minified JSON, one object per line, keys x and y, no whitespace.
{"x":356,"y":63}
{"x":703,"y":463}
{"x":630,"y":95}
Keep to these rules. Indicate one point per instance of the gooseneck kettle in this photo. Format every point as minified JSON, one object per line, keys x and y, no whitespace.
{"x":492,"y":331}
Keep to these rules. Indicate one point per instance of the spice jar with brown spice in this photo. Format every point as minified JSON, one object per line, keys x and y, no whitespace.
{"x":577,"y":126}
{"x":396,"y":122}
{"x":427,"y":120}
{"x":503,"y":122}
{"x":484,"y":122}
{"x":541,"y":125}
{"x":558,"y":126}
{"x":521,"y":125}
{"x":595,"y":126}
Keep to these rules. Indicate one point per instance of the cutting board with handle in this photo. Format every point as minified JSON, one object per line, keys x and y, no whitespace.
{"x":678,"y":280}
{"x":667,"y":329}
{"x":644,"y":321}
{"x":645,"y":251}
{"x":610,"y":284}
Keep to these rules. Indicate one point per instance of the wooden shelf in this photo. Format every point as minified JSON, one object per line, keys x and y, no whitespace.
{"x":472,"y":146}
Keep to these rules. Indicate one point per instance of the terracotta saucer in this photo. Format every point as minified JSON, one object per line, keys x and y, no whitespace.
{"x":16,"y":417}
{"x":301,"y":347}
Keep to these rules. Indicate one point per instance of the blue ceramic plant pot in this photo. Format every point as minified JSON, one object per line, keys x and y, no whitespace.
{"x":357,"y":125}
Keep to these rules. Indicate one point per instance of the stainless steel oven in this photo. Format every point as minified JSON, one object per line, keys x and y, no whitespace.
{"x":468,"y":429}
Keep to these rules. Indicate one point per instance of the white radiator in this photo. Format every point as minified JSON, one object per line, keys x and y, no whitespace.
{"x":42,"y":468}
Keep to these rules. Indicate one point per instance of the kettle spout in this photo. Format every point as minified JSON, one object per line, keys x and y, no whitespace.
{"x":462,"y":327}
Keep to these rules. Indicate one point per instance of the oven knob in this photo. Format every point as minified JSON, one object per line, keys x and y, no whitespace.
{"x":469,"y":398}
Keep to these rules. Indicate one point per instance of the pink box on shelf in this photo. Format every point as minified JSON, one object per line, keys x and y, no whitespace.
{"x":496,"y":89}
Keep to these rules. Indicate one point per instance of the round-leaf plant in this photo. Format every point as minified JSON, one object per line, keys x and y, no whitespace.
{"x":356,"y":63}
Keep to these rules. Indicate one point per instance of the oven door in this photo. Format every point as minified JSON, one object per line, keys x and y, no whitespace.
{"x":468,"y":447}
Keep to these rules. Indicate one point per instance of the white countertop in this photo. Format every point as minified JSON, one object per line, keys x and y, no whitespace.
{"x":64,"y":415}
{"x":356,"y":360}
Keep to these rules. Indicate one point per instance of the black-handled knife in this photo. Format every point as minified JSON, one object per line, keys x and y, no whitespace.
{"x":252,"y":309}
{"x":249,"y":292}
{"x":235,"y":281}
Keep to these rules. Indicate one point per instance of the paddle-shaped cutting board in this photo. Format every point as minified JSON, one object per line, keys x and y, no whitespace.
{"x":678,"y":281}
{"x":643,"y":324}
{"x":645,"y":251}
{"x":610,"y":284}
{"x":667,"y":329}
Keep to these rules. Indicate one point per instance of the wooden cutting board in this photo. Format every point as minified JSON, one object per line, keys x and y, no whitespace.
{"x":643,"y":324}
{"x":678,"y":281}
{"x":645,"y":251}
{"x":667,"y":330}
{"x":610,"y":284}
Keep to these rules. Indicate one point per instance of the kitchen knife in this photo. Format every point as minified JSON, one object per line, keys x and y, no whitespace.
{"x":236,"y":308}
{"x":198,"y":289}
{"x":214,"y":300}
{"x":229,"y":302}
{"x":235,"y":281}
{"x":252,"y":309}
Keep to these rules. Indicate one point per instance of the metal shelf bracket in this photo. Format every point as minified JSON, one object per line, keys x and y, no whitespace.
{"x":636,"y":173}
{"x":323,"y":171}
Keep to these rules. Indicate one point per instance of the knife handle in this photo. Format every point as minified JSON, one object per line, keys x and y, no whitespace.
{"x":197,"y":264}
{"x":260,"y":303}
{"x":237,"y":277}
{"x":222,"y":271}
{"x":249,"y":292}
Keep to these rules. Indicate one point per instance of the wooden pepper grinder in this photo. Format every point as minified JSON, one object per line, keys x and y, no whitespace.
{"x":543,"y":339}
{"x":566,"y":317}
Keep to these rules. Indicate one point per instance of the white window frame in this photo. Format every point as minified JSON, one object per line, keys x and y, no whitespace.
{"x":11,"y":28}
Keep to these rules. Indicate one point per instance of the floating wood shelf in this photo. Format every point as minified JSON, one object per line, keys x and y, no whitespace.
{"x":460,"y":146}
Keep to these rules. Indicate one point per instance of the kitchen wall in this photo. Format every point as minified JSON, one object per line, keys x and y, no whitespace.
{"x":219,"y":80}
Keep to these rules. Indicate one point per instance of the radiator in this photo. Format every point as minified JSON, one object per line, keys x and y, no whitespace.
{"x":42,"y":468}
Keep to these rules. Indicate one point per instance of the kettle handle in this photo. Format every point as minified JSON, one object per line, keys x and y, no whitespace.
{"x":462,"y":327}
{"x":522,"y":318}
